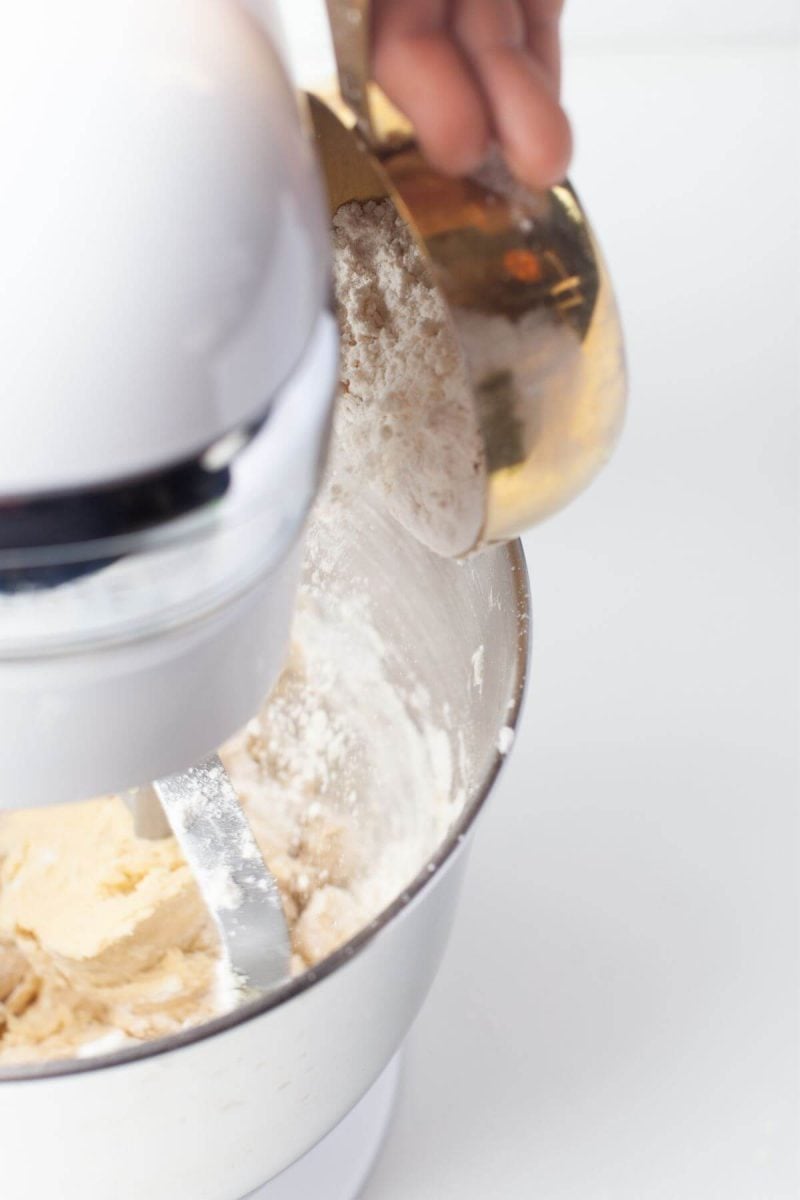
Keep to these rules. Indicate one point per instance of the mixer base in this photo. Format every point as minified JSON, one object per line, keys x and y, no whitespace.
{"x":338,"y":1166}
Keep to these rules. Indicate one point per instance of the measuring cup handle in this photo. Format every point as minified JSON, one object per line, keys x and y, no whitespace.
{"x":350,"y":29}
{"x":380,"y":124}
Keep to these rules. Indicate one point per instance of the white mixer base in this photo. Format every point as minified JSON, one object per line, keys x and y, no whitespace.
{"x":338,"y":1166}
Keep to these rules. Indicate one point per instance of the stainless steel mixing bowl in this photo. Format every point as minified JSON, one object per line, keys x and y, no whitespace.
{"x":212,"y":1113}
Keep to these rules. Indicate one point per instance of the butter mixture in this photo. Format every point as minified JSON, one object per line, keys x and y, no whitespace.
{"x":104,"y":938}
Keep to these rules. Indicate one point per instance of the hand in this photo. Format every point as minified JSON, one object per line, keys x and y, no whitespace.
{"x":471,"y":71}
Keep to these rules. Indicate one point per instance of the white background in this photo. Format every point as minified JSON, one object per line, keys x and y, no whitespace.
{"x":684,"y":21}
{"x":617,"y":1016}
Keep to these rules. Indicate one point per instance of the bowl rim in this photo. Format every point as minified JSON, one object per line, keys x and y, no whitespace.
{"x":422,"y":881}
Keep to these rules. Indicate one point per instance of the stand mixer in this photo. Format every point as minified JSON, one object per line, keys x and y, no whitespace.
{"x":172,"y":364}
{"x":169,"y":358}
{"x":169,"y":363}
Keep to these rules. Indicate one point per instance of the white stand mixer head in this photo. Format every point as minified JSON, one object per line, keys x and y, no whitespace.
{"x":163,"y":240}
{"x":167,"y":372}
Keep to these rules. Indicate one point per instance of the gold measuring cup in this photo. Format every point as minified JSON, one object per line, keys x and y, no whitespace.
{"x":527,"y":289}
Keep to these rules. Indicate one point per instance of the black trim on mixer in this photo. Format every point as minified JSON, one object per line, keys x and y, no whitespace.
{"x":30,"y":526}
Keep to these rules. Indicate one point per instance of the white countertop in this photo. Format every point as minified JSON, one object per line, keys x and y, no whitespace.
{"x":616,"y":1018}
{"x":617,"y":1015}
